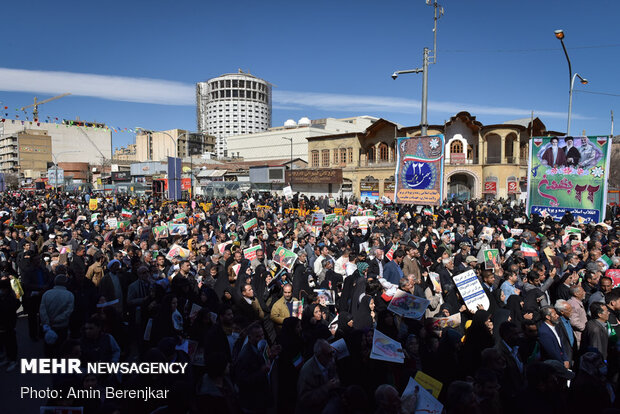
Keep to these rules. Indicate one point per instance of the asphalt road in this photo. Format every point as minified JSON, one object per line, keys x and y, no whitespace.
{"x":11,"y":382}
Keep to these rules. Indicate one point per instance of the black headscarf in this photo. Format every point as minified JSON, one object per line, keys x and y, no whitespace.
{"x":362,"y":318}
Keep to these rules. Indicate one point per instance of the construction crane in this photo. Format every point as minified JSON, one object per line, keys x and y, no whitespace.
{"x":35,"y":105}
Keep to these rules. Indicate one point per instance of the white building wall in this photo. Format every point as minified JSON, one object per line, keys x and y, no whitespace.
{"x":272,"y":145}
{"x":68,"y":143}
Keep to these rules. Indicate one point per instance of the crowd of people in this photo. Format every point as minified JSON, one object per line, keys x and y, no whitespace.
{"x":102,"y":282}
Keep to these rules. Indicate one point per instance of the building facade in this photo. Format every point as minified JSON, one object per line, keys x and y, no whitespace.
{"x":127,"y":153}
{"x":481,"y":160}
{"x":232,"y":104}
{"x":156,"y":146}
{"x":290,"y":140}
{"x":72,"y":141}
{"x":27,"y":153}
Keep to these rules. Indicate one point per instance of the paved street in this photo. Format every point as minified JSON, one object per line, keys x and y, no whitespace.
{"x":11,"y":403}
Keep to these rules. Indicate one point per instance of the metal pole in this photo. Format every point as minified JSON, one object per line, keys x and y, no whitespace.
{"x":570,"y":85}
{"x":291,"y":167}
{"x":570,"y":103}
{"x":424,"y":122}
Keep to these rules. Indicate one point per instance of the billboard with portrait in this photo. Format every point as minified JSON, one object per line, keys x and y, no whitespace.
{"x":569,"y":174}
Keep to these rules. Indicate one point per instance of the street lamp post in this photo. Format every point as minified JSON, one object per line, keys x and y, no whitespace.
{"x":559,"y":34}
{"x":291,"y":140}
{"x":426,"y":60}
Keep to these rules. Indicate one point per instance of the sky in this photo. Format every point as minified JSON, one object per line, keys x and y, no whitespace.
{"x":135,"y":63}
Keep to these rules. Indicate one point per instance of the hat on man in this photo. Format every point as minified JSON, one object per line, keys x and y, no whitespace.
{"x":471,"y":259}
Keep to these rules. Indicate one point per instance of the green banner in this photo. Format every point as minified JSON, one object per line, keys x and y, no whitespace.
{"x":569,"y":174}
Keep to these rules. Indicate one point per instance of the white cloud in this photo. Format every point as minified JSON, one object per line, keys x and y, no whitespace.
{"x":163,"y":92}
{"x":116,"y":88}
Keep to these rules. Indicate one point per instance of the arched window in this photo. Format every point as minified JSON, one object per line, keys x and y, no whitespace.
{"x":456,"y":147}
{"x":384,"y":153}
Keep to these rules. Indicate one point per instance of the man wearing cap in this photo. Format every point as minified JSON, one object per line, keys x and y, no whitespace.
{"x":55,"y":310}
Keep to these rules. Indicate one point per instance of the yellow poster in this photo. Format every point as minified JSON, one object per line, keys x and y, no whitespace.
{"x":429,"y":383}
{"x":92,"y":204}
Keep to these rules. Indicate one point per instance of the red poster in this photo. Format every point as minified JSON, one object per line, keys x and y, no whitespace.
{"x":513,"y":187}
{"x":490,"y":187}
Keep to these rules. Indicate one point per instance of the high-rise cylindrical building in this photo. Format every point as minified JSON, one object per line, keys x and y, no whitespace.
{"x":233,"y":104}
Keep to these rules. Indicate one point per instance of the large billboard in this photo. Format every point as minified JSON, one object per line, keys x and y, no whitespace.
{"x":569,"y":174}
{"x":419,"y":170}
{"x":174,"y":178}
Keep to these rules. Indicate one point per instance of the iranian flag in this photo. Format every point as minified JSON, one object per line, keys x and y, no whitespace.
{"x":528,"y":251}
{"x":607,"y":262}
{"x":390,"y":253}
{"x":427,"y":211}
{"x":126,"y":213}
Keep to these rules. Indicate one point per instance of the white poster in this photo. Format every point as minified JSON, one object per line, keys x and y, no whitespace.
{"x":471,"y":291}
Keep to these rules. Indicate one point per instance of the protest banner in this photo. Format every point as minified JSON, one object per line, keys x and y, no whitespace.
{"x":177,"y":229}
{"x":234,"y":204}
{"x":425,"y":402}
{"x":439,"y":323}
{"x":112,"y":222}
{"x":569,"y":174}
{"x":287,"y":192}
{"x":362,"y":221}
{"x":326,"y":297}
{"x":435,"y":280}
{"x":92,"y":204}
{"x":330,"y":218}
{"x":250,"y":253}
{"x":516,"y":232}
{"x":250,"y":224}
{"x":471,"y":290}
{"x":407,"y":305}
{"x":317,"y":219}
{"x":160,"y":232}
{"x":614,"y":274}
{"x":429,"y":383}
{"x":222,"y":246}
{"x":122,"y":225}
{"x":176,"y":250}
{"x":491,"y":258}
{"x":390,"y":253}
{"x":419,"y":170}
{"x":385,"y":348}
{"x":285,"y":258}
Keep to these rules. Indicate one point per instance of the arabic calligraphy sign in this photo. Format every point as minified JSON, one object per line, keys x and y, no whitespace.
{"x":419,"y":170}
{"x":569,"y":174}
{"x":315,"y":176}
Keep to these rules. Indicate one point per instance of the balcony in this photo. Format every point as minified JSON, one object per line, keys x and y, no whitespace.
{"x":376,"y":164}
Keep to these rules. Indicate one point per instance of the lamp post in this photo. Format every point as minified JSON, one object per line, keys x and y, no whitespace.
{"x":559,"y":34}
{"x":291,"y":140}
{"x":426,"y":60}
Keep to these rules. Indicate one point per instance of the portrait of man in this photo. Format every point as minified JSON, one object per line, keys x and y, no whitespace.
{"x":573,"y":156}
{"x":554,"y":156}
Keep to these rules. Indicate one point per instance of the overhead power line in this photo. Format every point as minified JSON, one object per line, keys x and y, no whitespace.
{"x":525,"y":50}
{"x":597,"y":93}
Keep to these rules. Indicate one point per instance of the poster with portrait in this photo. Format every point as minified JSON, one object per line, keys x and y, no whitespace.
{"x":491,"y":258}
{"x":285,"y":258}
{"x":177,"y":229}
{"x":407,"y":305}
{"x":176,"y":250}
{"x":160,"y":232}
{"x":385,"y":348}
{"x":326,"y":297}
{"x":425,"y":401}
{"x":569,"y":174}
{"x":419,"y":170}
{"x":471,"y":290}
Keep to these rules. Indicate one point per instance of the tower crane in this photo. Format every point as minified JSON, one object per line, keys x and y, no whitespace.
{"x":35,"y":105}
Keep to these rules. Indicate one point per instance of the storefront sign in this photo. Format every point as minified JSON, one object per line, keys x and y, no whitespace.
{"x":314,"y":176}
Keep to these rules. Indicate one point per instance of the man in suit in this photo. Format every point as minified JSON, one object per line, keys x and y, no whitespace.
{"x":376,"y":264}
{"x":595,"y":335}
{"x":411,"y":263}
{"x":554,"y":346}
{"x":392,"y":271}
{"x":317,"y":380}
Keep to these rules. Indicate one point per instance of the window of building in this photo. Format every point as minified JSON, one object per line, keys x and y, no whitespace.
{"x":336,"y":155}
{"x":384,"y":153}
{"x":343,"y":155}
{"x":325,"y":158}
{"x":371,"y":154}
{"x":228,"y":83}
{"x":350,"y":155}
{"x":456,"y":147}
{"x":242,"y":84}
{"x":315,"y":158}
{"x":235,"y":83}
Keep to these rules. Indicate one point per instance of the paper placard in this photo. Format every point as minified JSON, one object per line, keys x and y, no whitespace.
{"x":408,"y":305}
{"x":471,"y":290}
